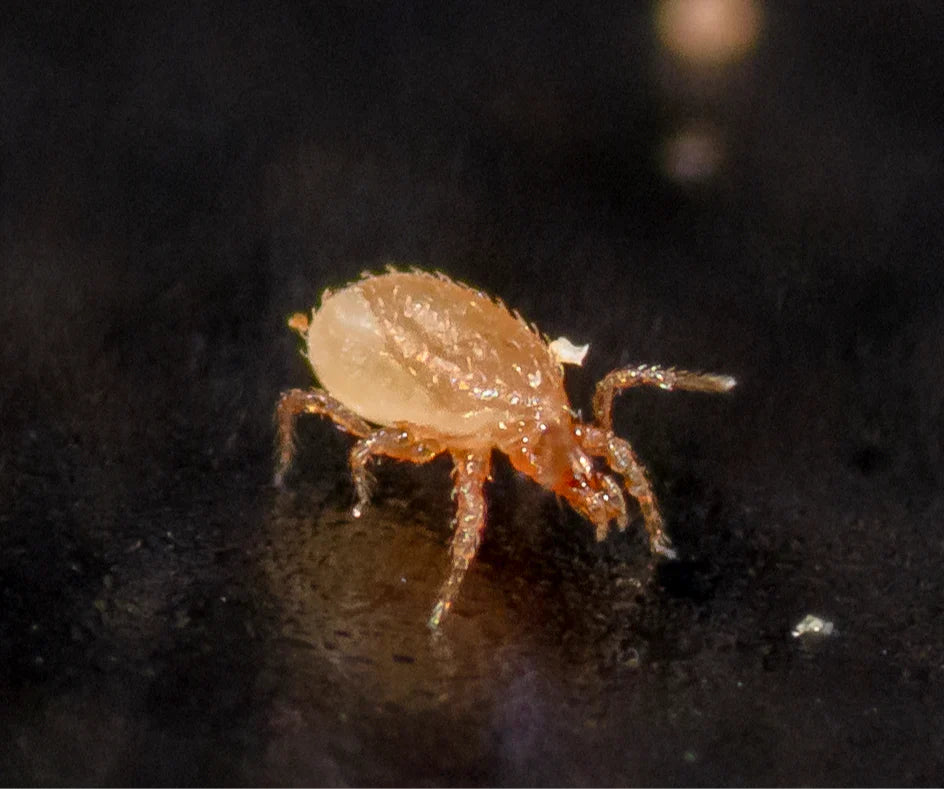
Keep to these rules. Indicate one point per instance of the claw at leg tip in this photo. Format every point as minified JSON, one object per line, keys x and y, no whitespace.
{"x":663,"y":547}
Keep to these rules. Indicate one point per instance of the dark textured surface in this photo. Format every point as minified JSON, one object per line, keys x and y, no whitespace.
{"x":178,"y":179}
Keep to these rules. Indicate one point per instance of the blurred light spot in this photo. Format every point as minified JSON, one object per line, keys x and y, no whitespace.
{"x":692,"y":155}
{"x":708,"y":31}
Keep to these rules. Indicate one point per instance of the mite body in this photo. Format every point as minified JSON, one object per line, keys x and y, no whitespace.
{"x":413,"y":365}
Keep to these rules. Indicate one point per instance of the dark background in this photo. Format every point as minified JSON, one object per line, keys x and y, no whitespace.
{"x":177,"y":178}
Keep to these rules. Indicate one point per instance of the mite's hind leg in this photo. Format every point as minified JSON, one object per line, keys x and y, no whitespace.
{"x":469,"y":475}
{"x":620,"y":458}
{"x":309,"y":401}
{"x":398,"y":442}
{"x":667,"y":378}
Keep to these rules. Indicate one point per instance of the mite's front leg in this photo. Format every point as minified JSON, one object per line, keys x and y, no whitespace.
{"x":470,"y":473}
{"x":309,"y":401}
{"x":398,"y":442}
{"x":620,"y":457}
{"x":667,"y":378}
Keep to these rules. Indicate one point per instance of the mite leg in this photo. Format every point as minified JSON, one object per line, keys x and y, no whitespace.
{"x":311,"y":401}
{"x":396,"y":442}
{"x":620,"y":457}
{"x":469,"y":474}
{"x":666,"y":378}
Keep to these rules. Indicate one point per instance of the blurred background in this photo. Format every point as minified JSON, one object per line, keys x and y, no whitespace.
{"x":727,"y":185}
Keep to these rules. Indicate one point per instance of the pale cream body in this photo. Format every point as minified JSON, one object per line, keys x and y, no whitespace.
{"x":407,"y":348}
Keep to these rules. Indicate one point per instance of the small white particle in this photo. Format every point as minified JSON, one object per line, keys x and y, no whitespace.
{"x":566,"y":352}
{"x":813,"y":625}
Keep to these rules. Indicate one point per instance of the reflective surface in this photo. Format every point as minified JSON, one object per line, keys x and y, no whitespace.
{"x":177,"y":182}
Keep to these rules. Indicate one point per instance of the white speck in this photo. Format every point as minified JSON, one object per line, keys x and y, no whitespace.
{"x":534,"y":379}
{"x":566,"y":352}
{"x":813,"y":625}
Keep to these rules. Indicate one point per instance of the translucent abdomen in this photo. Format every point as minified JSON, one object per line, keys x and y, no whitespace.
{"x":412,"y":347}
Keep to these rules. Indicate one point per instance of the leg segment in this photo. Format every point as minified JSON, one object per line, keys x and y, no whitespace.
{"x":470,"y":474}
{"x":667,"y":378}
{"x":620,"y":457}
{"x":396,"y":442}
{"x":311,"y":401}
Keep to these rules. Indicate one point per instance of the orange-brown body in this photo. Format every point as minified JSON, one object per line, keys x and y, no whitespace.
{"x":440,"y":367}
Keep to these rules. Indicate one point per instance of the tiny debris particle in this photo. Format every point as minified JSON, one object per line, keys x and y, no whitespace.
{"x":813,"y":625}
{"x":566,"y":352}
